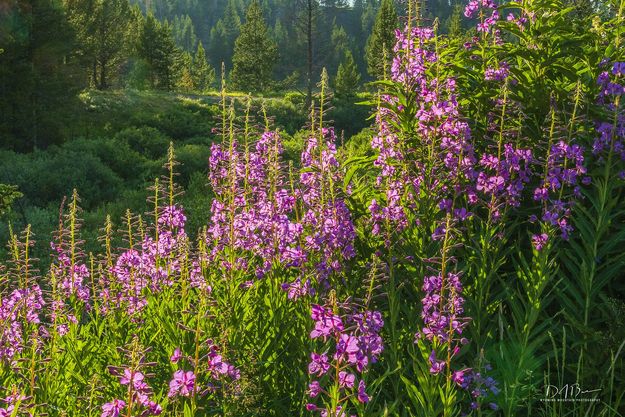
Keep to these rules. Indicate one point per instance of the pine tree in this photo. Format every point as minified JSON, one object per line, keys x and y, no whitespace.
{"x":454,"y":27}
{"x":347,"y":77}
{"x":254,"y":53}
{"x":102,"y":28}
{"x":382,"y":40}
{"x":158,"y":50}
{"x":186,"y":81}
{"x":309,"y":14}
{"x":340,"y":45}
{"x":223,"y":36}
{"x":203,"y":74}
{"x":367,"y":19}
{"x":184,"y":33}
{"x":39,"y":75}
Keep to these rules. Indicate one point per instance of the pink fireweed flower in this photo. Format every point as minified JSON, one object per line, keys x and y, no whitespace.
{"x":346,"y":379}
{"x":326,"y":323}
{"x":296,"y":289}
{"x":113,"y":408}
{"x":319,"y":364}
{"x":176,"y":356}
{"x":497,"y":74}
{"x":355,"y":345}
{"x":314,"y":389}
{"x":362,"y":393}
{"x":437,"y":366}
{"x":182,"y":384}
{"x":134,"y":378}
{"x":218,"y":367}
{"x":539,"y":241}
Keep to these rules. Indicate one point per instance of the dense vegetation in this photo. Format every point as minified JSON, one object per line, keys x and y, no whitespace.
{"x":278,"y":253}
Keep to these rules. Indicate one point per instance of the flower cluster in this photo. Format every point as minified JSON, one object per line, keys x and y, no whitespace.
{"x":21,"y":308}
{"x":480,"y":388}
{"x":483,"y":8}
{"x":503,"y":178}
{"x":610,"y":139}
{"x":329,"y":230}
{"x":150,"y":268}
{"x":440,"y":160}
{"x":184,"y":383}
{"x":71,"y":275}
{"x":497,"y":74}
{"x":442,"y":309}
{"x":256,"y":210}
{"x":352,"y":342}
{"x":519,"y":21}
{"x":12,"y":404}
{"x":609,"y":83}
{"x":564,"y":169}
{"x":139,"y":395}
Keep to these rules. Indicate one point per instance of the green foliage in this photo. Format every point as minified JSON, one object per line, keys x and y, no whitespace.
{"x":102,"y":30}
{"x":203,"y":74}
{"x":380,"y":44}
{"x":156,"y":47}
{"x":38,"y":83}
{"x":8,"y":194}
{"x":255,"y":53}
{"x":223,"y":36}
{"x":71,"y":168}
{"x":347,"y":77}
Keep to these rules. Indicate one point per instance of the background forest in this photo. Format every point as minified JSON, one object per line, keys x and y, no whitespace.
{"x":95,"y":78}
{"x":113,"y":80}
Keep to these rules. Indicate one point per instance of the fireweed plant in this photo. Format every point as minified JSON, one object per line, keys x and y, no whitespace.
{"x":468,"y":259}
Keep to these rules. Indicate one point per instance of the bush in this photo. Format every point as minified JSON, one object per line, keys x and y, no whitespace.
{"x":147,"y":141}
{"x":286,"y":115}
{"x":46,"y":177}
{"x":193,"y":159}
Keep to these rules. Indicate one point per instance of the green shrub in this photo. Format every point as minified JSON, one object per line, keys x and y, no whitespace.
{"x":46,"y":177}
{"x":147,"y":141}
{"x":193,"y":159}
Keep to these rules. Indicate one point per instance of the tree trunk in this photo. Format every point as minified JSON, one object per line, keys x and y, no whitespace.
{"x":94,"y":73}
{"x":102,"y":83}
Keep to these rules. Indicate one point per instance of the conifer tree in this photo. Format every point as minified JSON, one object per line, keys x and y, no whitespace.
{"x":203,"y":74}
{"x":186,"y":81}
{"x":382,"y":40}
{"x":37,"y":80}
{"x":309,"y":13}
{"x":158,"y":49}
{"x":101,"y":28}
{"x":254,"y":53}
{"x":367,"y":18}
{"x":454,"y":26}
{"x":223,"y":36}
{"x":347,"y":77}
{"x":184,"y":33}
{"x":340,"y":45}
